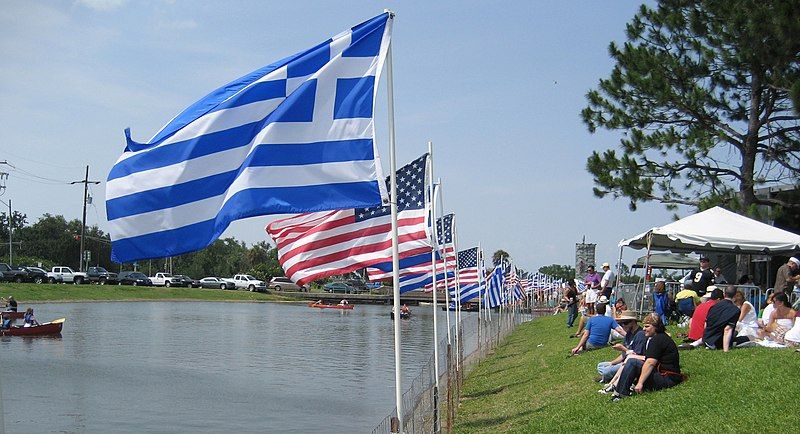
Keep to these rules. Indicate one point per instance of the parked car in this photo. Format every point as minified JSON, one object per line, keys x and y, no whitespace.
{"x":359,"y":285}
{"x":101,"y":276}
{"x":342,"y":287}
{"x":133,"y":278}
{"x":216,"y":282}
{"x":10,"y":274}
{"x":165,"y":279}
{"x":36,"y":274}
{"x":188,"y":281}
{"x":285,"y":284}
{"x":67,"y":275}
{"x":248,"y":282}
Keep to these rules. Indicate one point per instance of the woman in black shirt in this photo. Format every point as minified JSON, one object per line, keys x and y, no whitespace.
{"x":661,"y":367}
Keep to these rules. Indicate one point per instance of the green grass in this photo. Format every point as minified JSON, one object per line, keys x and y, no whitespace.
{"x":530,"y":385}
{"x":30,"y":292}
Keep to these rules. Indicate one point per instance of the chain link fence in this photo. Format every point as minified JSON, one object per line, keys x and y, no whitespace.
{"x":428,"y":409}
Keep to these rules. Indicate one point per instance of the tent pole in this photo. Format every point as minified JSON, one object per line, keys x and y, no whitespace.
{"x":646,"y":267}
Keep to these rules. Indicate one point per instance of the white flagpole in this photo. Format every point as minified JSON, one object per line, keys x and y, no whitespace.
{"x":435,"y":243}
{"x":395,"y":249}
{"x":478,"y":255}
{"x":444,"y":262}
{"x":458,"y":290}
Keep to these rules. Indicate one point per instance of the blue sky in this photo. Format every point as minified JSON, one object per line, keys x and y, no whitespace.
{"x":497,"y":86}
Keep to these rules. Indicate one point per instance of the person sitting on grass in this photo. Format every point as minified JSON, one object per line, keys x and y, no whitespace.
{"x":721,"y":322}
{"x":781,"y":321}
{"x":698,"y":322}
{"x":661,"y":366}
{"x":598,"y":330}
{"x":687,"y":299}
{"x":766,"y":313}
{"x":747,"y":326}
{"x":633,"y":344}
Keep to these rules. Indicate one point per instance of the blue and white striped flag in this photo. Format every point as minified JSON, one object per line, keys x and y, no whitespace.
{"x":468,"y":292}
{"x":494,"y":293}
{"x":293,"y":137}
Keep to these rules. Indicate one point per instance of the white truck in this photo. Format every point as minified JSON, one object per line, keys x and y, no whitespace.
{"x":246,"y":281}
{"x":66,"y":275}
{"x":166,"y":279}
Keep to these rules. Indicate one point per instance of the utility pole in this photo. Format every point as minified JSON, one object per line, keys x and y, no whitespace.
{"x":3,"y":178}
{"x":85,"y":183}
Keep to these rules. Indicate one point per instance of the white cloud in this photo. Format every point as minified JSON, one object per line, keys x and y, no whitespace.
{"x":101,"y":5}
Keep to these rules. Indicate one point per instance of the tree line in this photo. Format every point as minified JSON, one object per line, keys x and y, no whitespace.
{"x":53,"y":240}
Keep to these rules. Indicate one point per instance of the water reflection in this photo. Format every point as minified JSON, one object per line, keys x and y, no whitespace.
{"x":187,"y":366}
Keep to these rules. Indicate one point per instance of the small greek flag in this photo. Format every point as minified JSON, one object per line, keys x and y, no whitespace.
{"x":293,"y":137}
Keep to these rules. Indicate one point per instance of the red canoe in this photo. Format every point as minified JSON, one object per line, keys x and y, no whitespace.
{"x":332,"y":306}
{"x":48,"y":328}
{"x":14,"y":315}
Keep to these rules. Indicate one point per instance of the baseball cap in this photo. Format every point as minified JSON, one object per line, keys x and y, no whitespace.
{"x":795,"y":260}
{"x":605,"y":264}
{"x":704,"y":259}
{"x":603,"y":299}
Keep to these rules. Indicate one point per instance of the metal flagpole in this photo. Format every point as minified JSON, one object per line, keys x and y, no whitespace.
{"x":478,"y":255}
{"x":435,"y":243}
{"x":446,"y":279}
{"x":395,"y":250}
{"x":444,"y":262}
{"x":458,"y":289}
{"x":619,"y":277}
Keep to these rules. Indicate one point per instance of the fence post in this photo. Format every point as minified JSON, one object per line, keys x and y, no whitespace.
{"x":395,"y":425}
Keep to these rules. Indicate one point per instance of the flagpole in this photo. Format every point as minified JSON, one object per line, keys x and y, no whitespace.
{"x":444,"y":266}
{"x":480,"y":311}
{"x":395,"y":250}
{"x":458,"y":293}
{"x":435,"y":242}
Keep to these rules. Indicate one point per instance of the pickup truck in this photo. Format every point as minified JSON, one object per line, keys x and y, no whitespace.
{"x":66,"y":275}
{"x":101,"y":276}
{"x":246,"y":281}
{"x":166,"y":279}
{"x":9,"y":274}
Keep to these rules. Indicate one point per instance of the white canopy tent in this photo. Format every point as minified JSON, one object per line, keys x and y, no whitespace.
{"x":717,"y":230}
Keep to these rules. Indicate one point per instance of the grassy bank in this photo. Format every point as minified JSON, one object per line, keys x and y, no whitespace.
{"x":530,"y":385}
{"x":30,"y":292}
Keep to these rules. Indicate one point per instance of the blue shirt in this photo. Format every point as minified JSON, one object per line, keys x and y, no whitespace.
{"x":599,"y":328}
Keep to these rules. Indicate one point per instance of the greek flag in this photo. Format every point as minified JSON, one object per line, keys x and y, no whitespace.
{"x":494,"y":294}
{"x":293,"y":137}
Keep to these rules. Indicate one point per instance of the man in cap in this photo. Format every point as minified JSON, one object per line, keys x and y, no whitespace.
{"x":607,"y":281}
{"x":703,"y":277}
{"x":633,"y":343}
{"x":788,"y":275}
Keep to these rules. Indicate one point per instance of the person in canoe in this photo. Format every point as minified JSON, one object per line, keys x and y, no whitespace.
{"x":7,"y":322}
{"x":11,"y":304}
{"x":405,"y":311}
{"x":29,"y":319}
{"x":343,"y":303}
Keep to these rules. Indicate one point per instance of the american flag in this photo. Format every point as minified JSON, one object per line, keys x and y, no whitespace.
{"x":444,"y":232}
{"x":316,"y":245}
{"x":468,"y":266}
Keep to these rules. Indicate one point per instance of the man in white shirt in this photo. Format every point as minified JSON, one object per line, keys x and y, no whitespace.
{"x":607,"y":282}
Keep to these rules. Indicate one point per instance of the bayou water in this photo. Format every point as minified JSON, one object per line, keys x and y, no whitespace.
{"x":212,"y":367}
